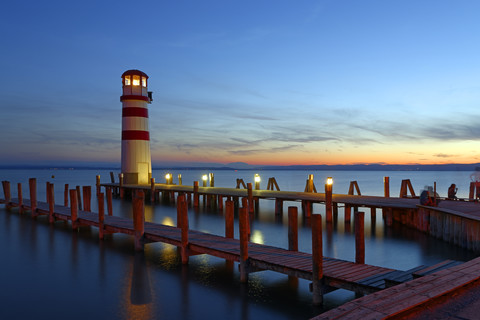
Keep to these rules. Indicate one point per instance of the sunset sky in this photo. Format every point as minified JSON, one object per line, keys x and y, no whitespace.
{"x":263,"y":82}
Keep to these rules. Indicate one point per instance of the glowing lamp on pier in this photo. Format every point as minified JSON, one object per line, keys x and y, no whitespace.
{"x":168,"y":176}
{"x":257,"y":181}
{"x":205,"y":178}
{"x":136,"y":159}
{"x":329,"y":181}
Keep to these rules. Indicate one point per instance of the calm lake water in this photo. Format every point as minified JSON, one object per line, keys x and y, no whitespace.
{"x":51,"y":271}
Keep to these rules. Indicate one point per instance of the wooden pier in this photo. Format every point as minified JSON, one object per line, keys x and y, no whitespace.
{"x":411,"y":287}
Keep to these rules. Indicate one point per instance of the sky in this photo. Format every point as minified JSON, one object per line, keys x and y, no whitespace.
{"x":264,"y":82}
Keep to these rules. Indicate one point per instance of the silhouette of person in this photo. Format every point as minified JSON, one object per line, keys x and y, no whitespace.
{"x":452,"y":191}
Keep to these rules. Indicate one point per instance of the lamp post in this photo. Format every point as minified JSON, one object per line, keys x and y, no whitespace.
{"x":257,"y":181}
{"x":328,"y":198}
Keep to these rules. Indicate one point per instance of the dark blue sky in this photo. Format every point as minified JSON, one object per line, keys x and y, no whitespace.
{"x":264,"y":82}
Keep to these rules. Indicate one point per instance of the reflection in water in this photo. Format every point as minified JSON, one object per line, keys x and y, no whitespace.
{"x":168,"y":221}
{"x":257,"y":237}
{"x":137,"y":293}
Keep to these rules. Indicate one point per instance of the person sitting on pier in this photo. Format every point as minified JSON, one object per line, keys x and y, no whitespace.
{"x":452,"y":191}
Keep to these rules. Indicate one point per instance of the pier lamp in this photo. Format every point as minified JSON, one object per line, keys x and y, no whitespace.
{"x":204,"y":178}
{"x":168,"y":176}
{"x":328,"y":198}
{"x":257,"y":181}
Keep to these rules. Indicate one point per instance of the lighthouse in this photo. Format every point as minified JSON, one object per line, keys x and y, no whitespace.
{"x":136,"y":159}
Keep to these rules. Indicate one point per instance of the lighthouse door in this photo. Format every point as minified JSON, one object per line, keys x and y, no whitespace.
{"x":142,"y":168}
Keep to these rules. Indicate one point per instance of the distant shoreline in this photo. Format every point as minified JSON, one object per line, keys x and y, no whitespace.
{"x":356,"y":167}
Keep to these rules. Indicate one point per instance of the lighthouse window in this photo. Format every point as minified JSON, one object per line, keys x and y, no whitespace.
{"x":127,"y":80}
{"x":136,"y":80}
{"x":144,"y":82}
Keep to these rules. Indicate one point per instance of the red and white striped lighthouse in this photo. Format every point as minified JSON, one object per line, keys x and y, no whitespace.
{"x":136,"y":159}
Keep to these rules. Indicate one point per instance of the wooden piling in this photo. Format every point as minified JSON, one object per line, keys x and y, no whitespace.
{"x":182,"y":204}
{"x":139,"y":218}
{"x":51,"y":203}
{"x":278,"y":206}
{"x":32,"y":182}
{"x":79,"y":198}
{"x":152,"y":190}
{"x":293,"y":228}
{"x":471,"y":195}
{"x":87,"y":196}
{"x":6,"y":193}
{"x":229,"y":218}
{"x":109,"y":200}
{"x":179,"y":179}
{"x":65,"y":196}
{"x":328,"y":202}
{"x":74,"y":208}
{"x":250,"y":198}
{"x":243,"y":222}
{"x":101,"y":214}
{"x":220,"y":202}
{"x":317,"y":259}
{"x":20,"y":197}
{"x":120,"y":183}
{"x":112,"y":177}
{"x":348,"y":213}
{"x":386,"y":187}
{"x":97,"y":184}
{"x":195,"y":194}
{"x":359,"y":237}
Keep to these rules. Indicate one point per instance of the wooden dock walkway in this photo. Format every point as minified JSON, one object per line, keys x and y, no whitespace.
{"x":392,"y":292}
{"x":326,"y":273}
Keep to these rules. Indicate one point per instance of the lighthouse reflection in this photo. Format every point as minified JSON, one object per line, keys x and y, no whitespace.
{"x":138,"y":293}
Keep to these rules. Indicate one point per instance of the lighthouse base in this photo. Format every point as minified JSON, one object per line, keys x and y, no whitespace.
{"x":136,"y":178}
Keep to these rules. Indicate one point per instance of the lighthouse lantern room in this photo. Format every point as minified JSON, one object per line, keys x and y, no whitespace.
{"x":136,"y":159}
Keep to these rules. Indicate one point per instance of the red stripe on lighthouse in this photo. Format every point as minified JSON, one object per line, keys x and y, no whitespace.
{"x":135,"y":112}
{"x":134,"y":97}
{"x":135,"y":135}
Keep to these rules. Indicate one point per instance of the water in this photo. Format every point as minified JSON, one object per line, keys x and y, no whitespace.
{"x":51,"y":271}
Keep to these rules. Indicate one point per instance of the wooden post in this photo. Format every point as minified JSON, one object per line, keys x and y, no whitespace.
{"x":65,"y":196}
{"x":109,"y":200}
{"x":79,"y":198}
{"x":471,"y":195}
{"x":179,"y":179}
{"x":328,"y":201}
{"x":182,"y":204}
{"x":250,"y":198}
{"x":51,"y":203}
{"x":139,"y":218}
{"x":6,"y":193}
{"x":47,"y":194}
{"x":243,"y":222}
{"x":112,"y":177}
{"x":293,"y":228}
{"x":386,"y":187}
{"x":195,"y":194}
{"x":101,"y":214}
{"x":73,"y":208}
{"x":278,"y":206}
{"x":317,"y":259}
{"x":32,"y":182}
{"x":348,"y":213}
{"x":359,"y":237}
{"x":229,"y":215}
{"x":220,"y":202}
{"x":307,"y":207}
{"x":152,"y":190}
{"x":87,"y":195}
{"x":97,"y":184}
{"x":120,"y":183}
{"x":20,"y":197}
